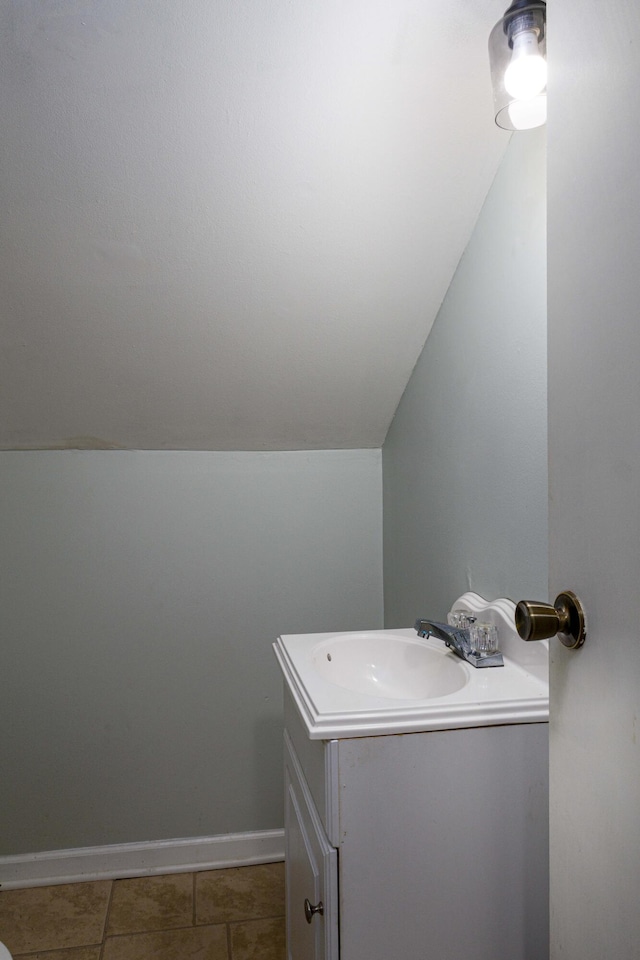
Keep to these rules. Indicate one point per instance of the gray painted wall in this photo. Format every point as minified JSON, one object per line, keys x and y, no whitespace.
{"x":139,"y":597}
{"x":140,"y":592}
{"x":465,"y":460}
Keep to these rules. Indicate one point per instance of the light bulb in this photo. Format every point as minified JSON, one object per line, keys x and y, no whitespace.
{"x":527,"y":114}
{"x":526,"y":75}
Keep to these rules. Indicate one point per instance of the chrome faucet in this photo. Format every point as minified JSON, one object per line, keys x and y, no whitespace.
{"x":459,"y":641}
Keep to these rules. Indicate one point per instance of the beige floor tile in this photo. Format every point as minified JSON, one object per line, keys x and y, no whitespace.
{"x":51,"y":918}
{"x":75,"y":953}
{"x":195,"y":943}
{"x":258,"y":940}
{"x":240,"y":893}
{"x":145,"y":904}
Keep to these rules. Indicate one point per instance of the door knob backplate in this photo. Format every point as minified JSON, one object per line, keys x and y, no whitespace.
{"x":539,"y":621}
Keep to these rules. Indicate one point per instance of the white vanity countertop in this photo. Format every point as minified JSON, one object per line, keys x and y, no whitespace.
{"x":518,"y":692}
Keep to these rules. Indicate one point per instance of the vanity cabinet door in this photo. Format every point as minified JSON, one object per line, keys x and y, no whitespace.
{"x":311,"y":873}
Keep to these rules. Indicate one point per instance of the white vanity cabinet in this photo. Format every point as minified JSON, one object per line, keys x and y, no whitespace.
{"x":419,"y":846}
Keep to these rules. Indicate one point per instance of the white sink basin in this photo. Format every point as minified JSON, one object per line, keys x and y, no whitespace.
{"x":378,"y":682}
{"x":388,"y":665}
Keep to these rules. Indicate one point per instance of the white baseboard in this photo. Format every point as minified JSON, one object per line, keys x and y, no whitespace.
{"x":140,"y":859}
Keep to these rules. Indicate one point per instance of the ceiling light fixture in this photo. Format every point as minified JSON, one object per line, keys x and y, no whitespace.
{"x":518,"y":58}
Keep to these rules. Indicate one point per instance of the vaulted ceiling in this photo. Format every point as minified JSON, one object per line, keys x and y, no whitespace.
{"x":229,"y":224}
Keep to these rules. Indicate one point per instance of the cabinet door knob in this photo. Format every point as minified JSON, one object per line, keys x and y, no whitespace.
{"x":310,"y":909}
{"x":566,"y":619}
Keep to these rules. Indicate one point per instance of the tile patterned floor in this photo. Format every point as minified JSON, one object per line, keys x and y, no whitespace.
{"x":231,"y":914}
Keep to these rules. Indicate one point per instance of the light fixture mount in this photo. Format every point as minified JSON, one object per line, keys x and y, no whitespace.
{"x":517,"y":54}
{"x":524,"y":15}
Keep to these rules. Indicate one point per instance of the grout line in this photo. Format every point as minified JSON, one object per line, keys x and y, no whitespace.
{"x":229,"y":955}
{"x":65,"y":950}
{"x":144,"y":933}
{"x":106,"y":921}
{"x":271,"y":916}
{"x":195,"y":894}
